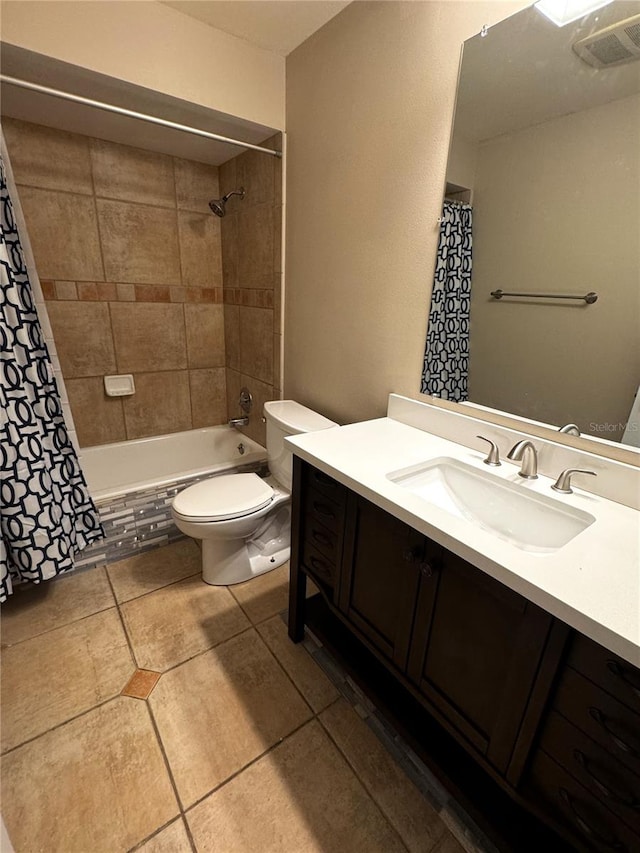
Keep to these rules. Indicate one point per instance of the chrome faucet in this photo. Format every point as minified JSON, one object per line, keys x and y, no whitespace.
{"x":526,"y":453}
{"x":570,"y":429}
{"x":239,"y":422}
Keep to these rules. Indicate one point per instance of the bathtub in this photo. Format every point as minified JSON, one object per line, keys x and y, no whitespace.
{"x":133,"y":484}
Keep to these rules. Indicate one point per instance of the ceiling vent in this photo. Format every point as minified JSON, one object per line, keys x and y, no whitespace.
{"x":614,"y":45}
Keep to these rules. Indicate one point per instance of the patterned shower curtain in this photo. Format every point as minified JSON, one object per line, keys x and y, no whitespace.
{"x":46,"y":513}
{"x":446,"y":357}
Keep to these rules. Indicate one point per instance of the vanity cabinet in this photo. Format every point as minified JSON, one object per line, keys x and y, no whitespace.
{"x":550,"y":716}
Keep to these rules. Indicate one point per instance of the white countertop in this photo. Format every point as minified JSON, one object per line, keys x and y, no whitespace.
{"x":592,"y":583}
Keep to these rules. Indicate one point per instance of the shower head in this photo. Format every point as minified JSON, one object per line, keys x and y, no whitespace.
{"x":218,"y":205}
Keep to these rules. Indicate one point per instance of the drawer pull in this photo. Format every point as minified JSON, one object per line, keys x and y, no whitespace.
{"x":601,"y":719}
{"x":589,"y":831}
{"x":324,"y":479}
{"x":623,"y":799}
{"x":320,"y":537}
{"x":319,"y":566}
{"x":620,"y":672}
{"x":323,"y":509}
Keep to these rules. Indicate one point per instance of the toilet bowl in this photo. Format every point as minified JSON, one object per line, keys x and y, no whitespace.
{"x":244,"y":521}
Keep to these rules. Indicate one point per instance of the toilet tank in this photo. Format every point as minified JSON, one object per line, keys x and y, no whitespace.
{"x":286,"y":417}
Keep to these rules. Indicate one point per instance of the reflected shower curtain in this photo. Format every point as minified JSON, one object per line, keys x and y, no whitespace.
{"x":46,"y":513}
{"x":446,"y":358}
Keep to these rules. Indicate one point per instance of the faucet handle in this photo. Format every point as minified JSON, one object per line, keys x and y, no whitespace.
{"x":563,"y":483}
{"x":493,"y":458}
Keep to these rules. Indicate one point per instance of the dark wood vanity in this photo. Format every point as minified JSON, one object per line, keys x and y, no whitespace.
{"x":532,"y":726}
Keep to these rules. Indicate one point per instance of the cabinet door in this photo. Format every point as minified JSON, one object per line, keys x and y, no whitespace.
{"x":383,"y":559}
{"x":475,"y":652}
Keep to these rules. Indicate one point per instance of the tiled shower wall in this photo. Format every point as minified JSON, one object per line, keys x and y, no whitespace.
{"x":252,"y":277}
{"x":129,"y":257}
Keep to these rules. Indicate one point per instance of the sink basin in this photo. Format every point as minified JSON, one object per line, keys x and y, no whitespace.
{"x":526,"y":519}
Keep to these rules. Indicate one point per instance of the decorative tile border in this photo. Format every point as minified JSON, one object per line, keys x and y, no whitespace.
{"x":106,"y":291}
{"x":249,"y":297}
{"x":141,"y":521}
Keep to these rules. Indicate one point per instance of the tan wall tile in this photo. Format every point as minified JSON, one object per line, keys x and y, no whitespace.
{"x":47,"y":158}
{"x":278,"y":282}
{"x":48,"y":289}
{"x":208,"y":397}
{"x":232,"y":336}
{"x":99,"y":419}
{"x":205,"y":335}
{"x":131,"y":174}
{"x":256,"y":237}
{"x":148,"y":337}
{"x":178,"y":294}
{"x":82,"y":332}
{"x":126,"y":292}
{"x":97,"y":291}
{"x":229,"y":231}
{"x":255,"y":172}
{"x":234,"y":384}
{"x":200,"y":249}
{"x":196,"y":185}
{"x":256,"y":343}
{"x":66,"y":290}
{"x":277,"y":238}
{"x":228,"y":176}
{"x":261,"y":393}
{"x":64,"y":234}
{"x":139,"y":243}
{"x":160,"y":405}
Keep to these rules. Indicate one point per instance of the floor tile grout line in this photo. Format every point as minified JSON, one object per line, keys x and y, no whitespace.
{"x":286,"y":673}
{"x":70,"y":622}
{"x":364,"y":785}
{"x":150,"y":591}
{"x":155,"y":832}
{"x":189,"y":833}
{"x":165,"y":758}
{"x":63,"y":723}
{"x":203,"y":651}
{"x":124,"y":628}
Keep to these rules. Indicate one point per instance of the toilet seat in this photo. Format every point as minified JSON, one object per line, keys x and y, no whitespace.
{"x":223,"y":498}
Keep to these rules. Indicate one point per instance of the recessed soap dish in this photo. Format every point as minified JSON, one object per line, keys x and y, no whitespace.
{"x":119,"y":386}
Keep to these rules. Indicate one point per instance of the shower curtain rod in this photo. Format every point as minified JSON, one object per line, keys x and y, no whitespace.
{"x":111,"y":108}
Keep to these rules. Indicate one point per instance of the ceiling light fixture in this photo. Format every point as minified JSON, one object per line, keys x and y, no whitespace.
{"x":563,"y":12}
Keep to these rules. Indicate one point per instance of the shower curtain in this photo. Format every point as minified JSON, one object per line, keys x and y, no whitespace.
{"x":446,"y":357}
{"x":46,"y":513}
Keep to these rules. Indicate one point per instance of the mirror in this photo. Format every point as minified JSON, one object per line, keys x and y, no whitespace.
{"x":545,"y":161}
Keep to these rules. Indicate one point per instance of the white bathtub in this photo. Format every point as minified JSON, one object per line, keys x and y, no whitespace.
{"x":127,"y":466}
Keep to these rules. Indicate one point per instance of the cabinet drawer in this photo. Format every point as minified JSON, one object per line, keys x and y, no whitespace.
{"x":327,"y":485}
{"x":324,"y":510}
{"x":612,"y":724}
{"x":321,"y":538}
{"x":317,"y":565}
{"x":610,"y":781}
{"x":574,"y":807}
{"x":610,"y":672}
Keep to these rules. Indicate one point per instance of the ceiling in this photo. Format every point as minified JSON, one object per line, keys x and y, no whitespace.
{"x":275,"y":25}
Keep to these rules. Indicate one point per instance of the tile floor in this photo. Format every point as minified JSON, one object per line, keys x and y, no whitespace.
{"x":230,"y":740}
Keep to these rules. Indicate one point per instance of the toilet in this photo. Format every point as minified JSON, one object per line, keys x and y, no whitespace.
{"x":244,"y":521}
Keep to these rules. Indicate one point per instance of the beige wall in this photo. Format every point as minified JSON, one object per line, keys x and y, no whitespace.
{"x":129,"y":259}
{"x":369,"y":108}
{"x":152,"y":45}
{"x":539,"y":224}
{"x":252,"y":272}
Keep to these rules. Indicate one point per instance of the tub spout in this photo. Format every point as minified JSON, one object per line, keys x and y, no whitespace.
{"x":239,"y":422}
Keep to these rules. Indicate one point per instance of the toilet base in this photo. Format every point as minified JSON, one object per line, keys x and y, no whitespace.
{"x":231,"y":561}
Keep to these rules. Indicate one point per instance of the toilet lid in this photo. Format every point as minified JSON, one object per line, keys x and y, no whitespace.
{"x":223,"y":498}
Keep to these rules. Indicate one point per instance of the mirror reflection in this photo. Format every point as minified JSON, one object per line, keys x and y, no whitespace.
{"x":543,"y":202}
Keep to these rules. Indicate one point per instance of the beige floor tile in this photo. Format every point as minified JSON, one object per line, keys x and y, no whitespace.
{"x":449,"y":844}
{"x":406,"y":809}
{"x":51,"y":678}
{"x":173,"y":839}
{"x":173,"y":624}
{"x":301,"y":667}
{"x":96,"y":784}
{"x":36,"y":609}
{"x":219,"y":711}
{"x":302,"y":796}
{"x":265,"y":595}
{"x":155,"y":569}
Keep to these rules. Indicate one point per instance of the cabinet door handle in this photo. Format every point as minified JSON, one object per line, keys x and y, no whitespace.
{"x":320,"y":537}
{"x":323,"y":509}
{"x":626,"y":799}
{"x":319,"y":566}
{"x":588,"y":830}
{"x":426,"y":569}
{"x":621,"y":673}
{"x":411,"y":555}
{"x":324,"y":479}
{"x":601,"y":719}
